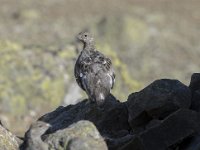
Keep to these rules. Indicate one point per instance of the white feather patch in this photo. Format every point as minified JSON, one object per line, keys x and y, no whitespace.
{"x":98,"y":82}
{"x":110,"y":80}
{"x":81,"y":75}
{"x":101,"y":96}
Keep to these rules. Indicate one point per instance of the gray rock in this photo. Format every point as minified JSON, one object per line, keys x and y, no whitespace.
{"x":8,"y":141}
{"x":176,"y":127}
{"x":82,"y":144}
{"x":82,"y":135}
{"x":195,"y":82}
{"x":157,"y":101}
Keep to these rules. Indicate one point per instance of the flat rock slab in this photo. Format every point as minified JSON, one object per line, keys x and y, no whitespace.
{"x":157,"y":101}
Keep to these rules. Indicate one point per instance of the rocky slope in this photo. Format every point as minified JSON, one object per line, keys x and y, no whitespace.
{"x":162,"y":116}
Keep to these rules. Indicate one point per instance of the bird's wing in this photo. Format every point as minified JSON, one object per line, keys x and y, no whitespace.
{"x":78,"y":73}
{"x":106,"y":64}
{"x":111,"y":74}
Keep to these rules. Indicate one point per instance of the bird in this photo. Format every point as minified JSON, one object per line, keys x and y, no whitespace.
{"x":93,"y":71}
{"x":33,"y":139}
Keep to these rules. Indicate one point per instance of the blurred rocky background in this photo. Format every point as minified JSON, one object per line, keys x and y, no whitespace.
{"x":146,"y":40}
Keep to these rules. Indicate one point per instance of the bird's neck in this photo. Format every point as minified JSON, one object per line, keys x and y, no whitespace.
{"x":88,"y":46}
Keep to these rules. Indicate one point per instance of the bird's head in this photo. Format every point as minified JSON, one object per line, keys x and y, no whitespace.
{"x":85,"y":37}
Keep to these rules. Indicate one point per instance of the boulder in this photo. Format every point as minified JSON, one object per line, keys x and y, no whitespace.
{"x":82,"y":135}
{"x":195,"y":82}
{"x":159,"y":117}
{"x":111,"y":121}
{"x":157,"y":101}
{"x":8,"y":141}
{"x":195,"y":89}
{"x":195,"y":102}
{"x":192,"y":143}
{"x":172,"y":130}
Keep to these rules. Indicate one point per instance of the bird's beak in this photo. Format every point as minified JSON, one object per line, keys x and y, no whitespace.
{"x":78,"y":37}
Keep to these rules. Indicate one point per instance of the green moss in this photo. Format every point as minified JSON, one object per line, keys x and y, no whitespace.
{"x":136,"y":30}
{"x":68,"y":52}
{"x":9,"y":46}
{"x":30,"y":14}
{"x":30,"y":77}
{"x":18,"y":104}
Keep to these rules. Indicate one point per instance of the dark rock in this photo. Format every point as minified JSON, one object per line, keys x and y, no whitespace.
{"x":176,"y":127}
{"x":195,"y":82}
{"x":173,"y":129}
{"x":82,"y":135}
{"x":195,"y":103}
{"x":195,"y":88}
{"x":111,"y":120}
{"x":115,"y":143}
{"x":159,"y":116}
{"x":153,"y":123}
{"x":157,"y":101}
{"x":192,"y":143}
{"x":134,"y":144}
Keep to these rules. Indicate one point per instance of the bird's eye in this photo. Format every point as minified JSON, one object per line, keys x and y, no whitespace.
{"x":85,"y":35}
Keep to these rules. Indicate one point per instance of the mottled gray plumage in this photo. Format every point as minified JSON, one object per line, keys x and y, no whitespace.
{"x":33,"y":137}
{"x":93,"y":71}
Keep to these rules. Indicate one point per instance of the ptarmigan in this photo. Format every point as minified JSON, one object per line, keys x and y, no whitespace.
{"x":93,"y":71}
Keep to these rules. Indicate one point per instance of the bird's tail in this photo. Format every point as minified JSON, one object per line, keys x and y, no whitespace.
{"x":97,"y":88}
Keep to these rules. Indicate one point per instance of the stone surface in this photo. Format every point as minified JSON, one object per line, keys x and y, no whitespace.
{"x":8,"y":141}
{"x":195,"y":89}
{"x":192,"y":143}
{"x":176,"y":127}
{"x":134,"y":144}
{"x":195,"y":82}
{"x":160,"y":117}
{"x":195,"y":102}
{"x":110,"y":120}
{"x":157,"y":101}
{"x":82,"y":135}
